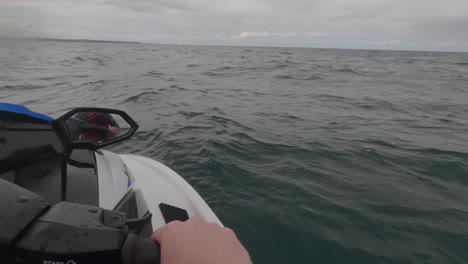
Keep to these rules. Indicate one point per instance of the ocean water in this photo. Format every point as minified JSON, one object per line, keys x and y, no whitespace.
{"x":310,"y":155}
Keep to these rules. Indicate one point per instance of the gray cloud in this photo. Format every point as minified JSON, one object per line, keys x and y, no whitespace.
{"x":148,"y":6}
{"x":15,"y":28}
{"x":395,"y":24}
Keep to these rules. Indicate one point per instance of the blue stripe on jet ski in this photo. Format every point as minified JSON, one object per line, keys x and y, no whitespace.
{"x":19,"y":109}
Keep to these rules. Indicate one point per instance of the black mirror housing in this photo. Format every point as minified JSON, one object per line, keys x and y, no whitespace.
{"x":75,"y":127}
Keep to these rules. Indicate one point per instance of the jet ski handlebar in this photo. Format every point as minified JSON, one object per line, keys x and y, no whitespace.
{"x":138,"y":250}
{"x":33,"y":231}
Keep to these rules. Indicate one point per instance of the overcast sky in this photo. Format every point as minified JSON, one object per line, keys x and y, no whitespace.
{"x":381,"y":24}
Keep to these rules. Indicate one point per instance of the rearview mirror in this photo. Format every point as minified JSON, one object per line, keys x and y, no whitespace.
{"x":94,"y":128}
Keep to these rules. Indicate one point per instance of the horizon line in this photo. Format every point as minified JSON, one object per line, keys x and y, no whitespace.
{"x":210,"y":45}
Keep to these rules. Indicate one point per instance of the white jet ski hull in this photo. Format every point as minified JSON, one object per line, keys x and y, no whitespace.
{"x":119,"y":174}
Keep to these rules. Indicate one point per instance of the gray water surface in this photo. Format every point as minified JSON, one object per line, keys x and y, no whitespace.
{"x":310,"y":155}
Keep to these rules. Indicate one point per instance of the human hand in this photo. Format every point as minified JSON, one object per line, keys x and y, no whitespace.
{"x":198,"y":242}
{"x":113,"y":131}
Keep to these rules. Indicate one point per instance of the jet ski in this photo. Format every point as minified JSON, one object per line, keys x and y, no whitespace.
{"x":65,"y":200}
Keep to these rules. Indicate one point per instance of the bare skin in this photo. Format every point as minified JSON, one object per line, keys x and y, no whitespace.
{"x":198,"y":242}
{"x":113,"y":131}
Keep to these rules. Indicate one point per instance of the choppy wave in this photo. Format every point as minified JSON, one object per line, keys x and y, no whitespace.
{"x":216,"y":74}
{"x":138,"y":97}
{"x":21,"y":87}
{"x":153,"y":74}
{"x":349,"y":70}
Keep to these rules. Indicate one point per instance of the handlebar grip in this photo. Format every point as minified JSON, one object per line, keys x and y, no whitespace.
{"x":140,"y":250}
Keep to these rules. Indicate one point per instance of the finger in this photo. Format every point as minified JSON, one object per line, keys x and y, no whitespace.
{"x":230,"y":232}
{"x":157,"y":235}
{"x":196,"y":220}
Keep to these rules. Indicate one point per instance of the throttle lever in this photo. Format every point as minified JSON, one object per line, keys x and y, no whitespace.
{"x":140,"y":250}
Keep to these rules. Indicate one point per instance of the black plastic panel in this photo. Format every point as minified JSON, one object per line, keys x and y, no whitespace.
{"x":19,"y":208}
{"x":172,"y":213}
{"x":70,"y":231}
{"x":16,"y":117}
{"x":83,"y":158}
{"x":140,"y":250}
{"x":8,"y":176}
{"x":82,"y":181}
{"x":129,"y":205}
{"x":22,"y":142}
{"x":43,"y":176}
{"x":138,"y":216}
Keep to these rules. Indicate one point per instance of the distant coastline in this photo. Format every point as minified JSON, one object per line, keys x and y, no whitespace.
{"x":66,"y":40}
{"x":217,"y":45}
